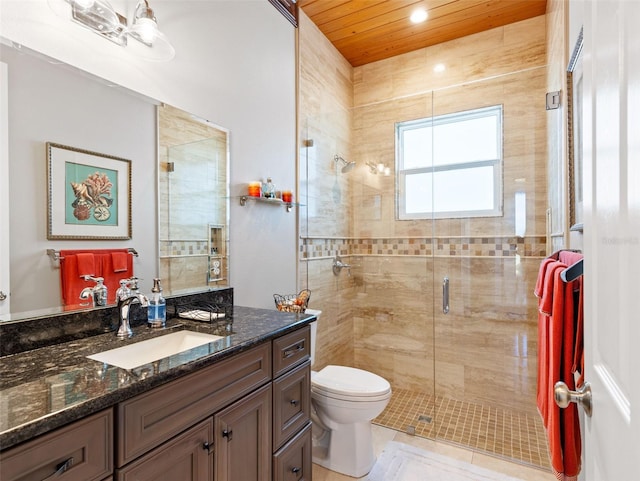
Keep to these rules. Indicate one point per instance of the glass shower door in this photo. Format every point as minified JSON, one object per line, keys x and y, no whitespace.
{"x":489,"y":191}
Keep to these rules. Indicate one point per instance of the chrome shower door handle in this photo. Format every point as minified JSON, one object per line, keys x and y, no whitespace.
{"x":445,"y":295}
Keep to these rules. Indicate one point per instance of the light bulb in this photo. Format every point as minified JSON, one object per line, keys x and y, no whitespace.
{"x":146,"y":29}
{"x":84,"y":4}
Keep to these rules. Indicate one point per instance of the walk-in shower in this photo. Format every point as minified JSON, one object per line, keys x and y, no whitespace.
{"x":467,"y":376}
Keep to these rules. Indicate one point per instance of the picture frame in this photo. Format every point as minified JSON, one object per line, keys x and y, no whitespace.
{"x":574,"y":135}
{"x":88,"y":195}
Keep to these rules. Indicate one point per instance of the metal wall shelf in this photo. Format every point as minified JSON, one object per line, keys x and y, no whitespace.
{"x":265,"y":200}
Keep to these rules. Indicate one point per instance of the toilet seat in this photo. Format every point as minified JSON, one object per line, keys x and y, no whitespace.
{"x":350,"y":384}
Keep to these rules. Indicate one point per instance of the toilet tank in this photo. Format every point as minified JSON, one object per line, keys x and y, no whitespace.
{"x":314,"y":331}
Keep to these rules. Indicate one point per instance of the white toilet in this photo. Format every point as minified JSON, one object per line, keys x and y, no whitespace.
{"x":344,"y":401}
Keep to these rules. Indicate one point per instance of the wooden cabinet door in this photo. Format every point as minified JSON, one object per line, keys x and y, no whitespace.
{"x":243,"y":439}
{"x":293,"y":461}
{"x":291,"y":403}
{"x":81,"y":451}
{"x":188,"y":457}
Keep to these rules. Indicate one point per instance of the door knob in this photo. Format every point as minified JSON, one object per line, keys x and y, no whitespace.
{"x":582,"y":396}
{"x":3,"y":296}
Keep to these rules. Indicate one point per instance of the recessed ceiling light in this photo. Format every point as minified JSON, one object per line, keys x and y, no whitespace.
{"x":439,"y":67}
{"x":418,"y":16}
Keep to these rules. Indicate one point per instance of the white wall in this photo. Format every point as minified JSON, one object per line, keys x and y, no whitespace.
{"x":235,"y":66}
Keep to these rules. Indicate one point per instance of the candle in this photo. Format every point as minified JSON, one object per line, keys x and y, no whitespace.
{"x":255,"y":189}
{"x":287,"y":196}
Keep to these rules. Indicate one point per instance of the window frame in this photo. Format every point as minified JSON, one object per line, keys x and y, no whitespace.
{"x":432,"y":123}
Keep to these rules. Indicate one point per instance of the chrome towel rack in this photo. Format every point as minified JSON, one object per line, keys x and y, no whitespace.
{"x":55,"y":255}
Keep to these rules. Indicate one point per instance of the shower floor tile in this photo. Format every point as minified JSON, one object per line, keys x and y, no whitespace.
{"x":514,"y":435}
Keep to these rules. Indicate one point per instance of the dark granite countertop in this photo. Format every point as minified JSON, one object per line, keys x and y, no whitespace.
{"x":46,"y":388}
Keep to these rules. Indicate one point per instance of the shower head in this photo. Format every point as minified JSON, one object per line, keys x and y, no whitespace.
{"x":346,"y":166}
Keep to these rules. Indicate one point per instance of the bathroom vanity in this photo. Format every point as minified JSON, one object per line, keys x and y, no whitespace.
{"x":235,"y":409}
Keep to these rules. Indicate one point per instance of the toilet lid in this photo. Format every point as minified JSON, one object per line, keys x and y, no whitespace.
{"x":350,"y":382}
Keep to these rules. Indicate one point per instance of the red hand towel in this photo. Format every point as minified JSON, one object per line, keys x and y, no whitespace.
{"x":119,"y":260}
{"x":544,"y":265}
{"x":86,"y":264}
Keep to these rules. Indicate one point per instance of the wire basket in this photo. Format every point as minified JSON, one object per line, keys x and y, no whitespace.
{"x":293,"y":302}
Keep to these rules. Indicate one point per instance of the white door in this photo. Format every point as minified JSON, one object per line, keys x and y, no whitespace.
{"x":4,"y":192}
{"x":611,"y":67}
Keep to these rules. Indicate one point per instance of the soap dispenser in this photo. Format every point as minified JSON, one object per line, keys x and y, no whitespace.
{"x":157,"y":312}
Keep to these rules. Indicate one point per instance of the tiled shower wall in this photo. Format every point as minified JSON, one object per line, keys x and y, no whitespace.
{"x":484,"y":350}
{"x":385,"y":313}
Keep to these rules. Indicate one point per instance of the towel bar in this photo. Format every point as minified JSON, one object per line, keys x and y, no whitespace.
{"x":55,"y":255}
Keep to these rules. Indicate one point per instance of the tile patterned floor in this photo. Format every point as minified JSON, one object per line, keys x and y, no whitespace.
{"x":516,"y":436}
{"x":382,"y":435}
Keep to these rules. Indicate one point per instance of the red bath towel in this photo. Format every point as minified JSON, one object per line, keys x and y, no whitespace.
{"x":71,"y":277}
{"x":114,"y":270}
{"x":71,"y":282}
{"x":563,"y":426}
{"x":545,"y":308}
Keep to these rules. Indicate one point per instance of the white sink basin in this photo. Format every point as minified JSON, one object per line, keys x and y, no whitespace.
{"x":143,"y":352}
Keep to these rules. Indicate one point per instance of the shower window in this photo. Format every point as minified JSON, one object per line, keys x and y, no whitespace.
{"x":450,"y":165}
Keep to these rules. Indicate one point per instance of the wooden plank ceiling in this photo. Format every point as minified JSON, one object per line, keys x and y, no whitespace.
{"x":365,"y":31}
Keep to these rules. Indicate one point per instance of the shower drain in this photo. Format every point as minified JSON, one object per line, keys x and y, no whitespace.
{"x":425,"y":419}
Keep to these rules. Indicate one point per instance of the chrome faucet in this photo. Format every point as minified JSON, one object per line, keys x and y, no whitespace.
{"x":124,"y":329}
{"x":97,"y":294}
{"x":125,"y":297}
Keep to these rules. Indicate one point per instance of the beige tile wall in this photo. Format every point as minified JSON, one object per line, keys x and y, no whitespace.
{"x":386,"y":317}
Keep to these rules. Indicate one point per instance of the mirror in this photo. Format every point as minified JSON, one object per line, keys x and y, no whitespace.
{"x":193,"y":202}
{"x":52,"y":102}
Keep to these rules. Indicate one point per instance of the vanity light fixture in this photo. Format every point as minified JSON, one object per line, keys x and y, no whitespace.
{"x":101,"y":18}
{"x":145,"y":30}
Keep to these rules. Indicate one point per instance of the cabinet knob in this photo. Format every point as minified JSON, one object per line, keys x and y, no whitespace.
{"x":294,"y":402}
{"x":227,"y":434}
{"x":295,"y":470}
{"x":207,"y":446}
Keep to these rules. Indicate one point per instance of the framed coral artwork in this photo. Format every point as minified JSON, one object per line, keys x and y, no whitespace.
{"x":88,"y":194}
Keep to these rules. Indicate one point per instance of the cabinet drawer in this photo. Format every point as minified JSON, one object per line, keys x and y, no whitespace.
{"x":291,"y":403}
{"x":293,"y":461}
{"x":152,"y":418}
{"x":291,"y":349}
{"x":187,"y":457}
{"x":86,"y":447}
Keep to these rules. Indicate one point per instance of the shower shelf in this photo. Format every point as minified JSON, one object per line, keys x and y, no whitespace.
{"x":265,"y":200}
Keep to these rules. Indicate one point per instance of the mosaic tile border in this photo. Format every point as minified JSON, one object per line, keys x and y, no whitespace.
{"x":184,"y":248}
{"x":507,"y":246}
